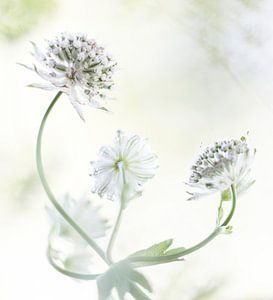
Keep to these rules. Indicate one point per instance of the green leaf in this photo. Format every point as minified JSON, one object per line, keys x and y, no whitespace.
{"x":141,"y":280}
{"x":125,"y":280}
{"x":159,"y":252}
{"x":155,"y":250}
{"x":104,"y":288}
{"x":137,"y":293}
{"x":175,"y":251}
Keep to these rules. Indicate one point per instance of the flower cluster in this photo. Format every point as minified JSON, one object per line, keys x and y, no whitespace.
{"x":129,"y":158}
{"x":77,"y":66}
{"x":219,"y":166}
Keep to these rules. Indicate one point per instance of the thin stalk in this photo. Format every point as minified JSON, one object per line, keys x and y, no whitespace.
{"x":197,"y":246}
{"x":114,"y":234}
{"x":119,"y":216}
{"x":50,"y":194}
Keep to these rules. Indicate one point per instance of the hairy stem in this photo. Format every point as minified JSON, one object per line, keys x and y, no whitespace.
{"x":50,"y":194}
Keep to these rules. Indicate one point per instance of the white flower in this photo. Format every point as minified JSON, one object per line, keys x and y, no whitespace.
{"x":131,"y":156}
{"x":84,"y":213}
{"x":70,"y":257}
{"x":66,"y":245}
{"x":220,"y":166}
{"x":77,"y":66}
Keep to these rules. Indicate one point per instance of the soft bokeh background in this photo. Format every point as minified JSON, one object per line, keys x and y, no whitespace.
{"x":190,"y":72}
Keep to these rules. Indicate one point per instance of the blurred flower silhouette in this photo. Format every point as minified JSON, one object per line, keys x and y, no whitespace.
{"x":86,"y":215}
{"x":227,"y":31}
{"x":65,"y":245}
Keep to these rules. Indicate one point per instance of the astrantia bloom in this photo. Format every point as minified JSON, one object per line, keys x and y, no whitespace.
{"x":131,"y":156}
{"x":84,"y":213}
{"x":77,"y":66}
{"x":220,"y":166}
{"x":66,"y":247}
{"x":75,"y":258}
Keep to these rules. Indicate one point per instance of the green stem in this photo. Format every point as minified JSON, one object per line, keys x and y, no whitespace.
{"x":118,"y":220}
{"x":114,"y":234}
{"x":50,"y":194}
{"x":195,"y":247}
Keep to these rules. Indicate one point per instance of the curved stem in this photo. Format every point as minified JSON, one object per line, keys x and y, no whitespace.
{"x":197,"y":246}
{"x":118,"y":220}
{"x":50,"y":194}
{"x":69,"y":273}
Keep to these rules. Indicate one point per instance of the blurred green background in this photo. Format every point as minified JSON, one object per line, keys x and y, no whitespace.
{"x":190,"y":72}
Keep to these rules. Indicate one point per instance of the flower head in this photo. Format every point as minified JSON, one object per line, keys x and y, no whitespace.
{"x":84,"y":213}
{"x":129,"y":158}
{"x":77,"y":66}
{"x":220,"y":166}
{"x":70,"y":257}
{"x":66,"y":247}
